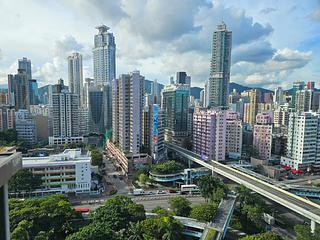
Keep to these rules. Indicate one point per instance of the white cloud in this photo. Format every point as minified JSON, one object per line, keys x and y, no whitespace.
{"x":277,"y":70}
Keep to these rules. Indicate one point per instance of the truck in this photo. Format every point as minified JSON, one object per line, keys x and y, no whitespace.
{"x":138,"y":191}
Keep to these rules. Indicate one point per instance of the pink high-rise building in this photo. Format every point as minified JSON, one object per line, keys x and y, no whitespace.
{"x":262,"y":135}
{"x":233,"y":134}
{"x":209,"y":134}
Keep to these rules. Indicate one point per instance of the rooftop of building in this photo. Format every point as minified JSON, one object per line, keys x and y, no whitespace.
{"x":67,"y":157}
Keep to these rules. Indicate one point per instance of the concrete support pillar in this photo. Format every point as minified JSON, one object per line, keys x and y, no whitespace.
{"x":313,"y":226}
{"x":4,"y":216}
{"x":189,"y":163}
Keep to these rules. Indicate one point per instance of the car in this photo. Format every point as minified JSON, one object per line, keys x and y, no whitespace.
{"x":161,"y":192}
{"x":171,"y":191}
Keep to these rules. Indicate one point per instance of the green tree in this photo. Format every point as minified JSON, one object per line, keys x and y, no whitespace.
{"x":143,"y":178}
{"x":252,"y":207}
{"x":50,"y":214}
{"x":211,"y":188}
{"x":93,"y":232}
{"x":204,"y":212}
{"x":135,"y":232}
{"x":167,"y":167}
{"x":118,"y":212}
{"x":8,"y":138}
{"x":303,"y":233}
{"x":96,"y":157}
{"x":263,"y":236}
{"x":161,"y":211}
{"x":164,"y":228}
{"x":24,"y":180}
{"x":180,"y":206}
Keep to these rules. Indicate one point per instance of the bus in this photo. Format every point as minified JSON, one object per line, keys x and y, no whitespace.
{"x":190,"y":189}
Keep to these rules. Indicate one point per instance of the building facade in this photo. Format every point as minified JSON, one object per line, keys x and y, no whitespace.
{"x":7,"y":118}
{"x":19,"y":91}
{"x":104,"y":56}
{"x":65,"y":114}
{"x":153,"y":131}
{"x":303,"y":148}
{"x":26,"y":127}
{"x":209,"y":134}
{"x":175,"y":103}
{"x":233,"y":135}
{"x":25,"y":64}
{"x":127,"y":101}
{"x":262,"y":135}
{"x":75,"y":75}
{"x":220,"y":66}
{"x":67,"y":172}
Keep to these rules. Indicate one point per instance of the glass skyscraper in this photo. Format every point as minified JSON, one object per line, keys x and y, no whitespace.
{"x":220,"y":66}
{"x":175,"y":105}
{"x":104,"y":56}
{"x":25,"y":64}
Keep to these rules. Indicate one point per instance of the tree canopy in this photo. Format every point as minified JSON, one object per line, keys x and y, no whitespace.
{"x":120,"y":218}
{"x":303,"y":233}
{"x":250,"y":213}
{"x":168,"y":167}
{"x":180,"y":206}
{"x":96,"y":157}
{"x":204,"y":212}
{"x":212,"y":188}
{"x":263,"y":236}
{"x":41,"y":218}
{"x":24,"y":180}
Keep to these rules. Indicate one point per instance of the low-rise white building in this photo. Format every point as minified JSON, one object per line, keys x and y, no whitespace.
{"x":67,"y":172}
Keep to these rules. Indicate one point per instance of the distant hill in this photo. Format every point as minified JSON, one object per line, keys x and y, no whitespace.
{"x":240,"y":88}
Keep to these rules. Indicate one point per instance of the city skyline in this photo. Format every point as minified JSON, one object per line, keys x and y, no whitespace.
{"x":263,"y":53}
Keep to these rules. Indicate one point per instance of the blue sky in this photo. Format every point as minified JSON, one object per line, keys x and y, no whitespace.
{"x":275,"y":42}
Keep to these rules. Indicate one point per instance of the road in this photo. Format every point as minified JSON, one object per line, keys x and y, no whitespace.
{"x":149,"y":202}
{"x":110,"y":173}
{"x":286,"y":199}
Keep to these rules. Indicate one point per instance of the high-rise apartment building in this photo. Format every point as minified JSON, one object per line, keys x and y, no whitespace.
{"x":127,"y":100}
{"x":7,"y":118}
{"x":307,"y":100}
{"x":209,"y":134}
{"x":250,"y":106}
{"x":175,"y":103}
{"x":3,"y":97}
{"x":83,"y":121}
{"x":25,"y":64}
{"x":104,"y":56}
{"x":153,"y":131}
{"x":220,"y":66}
{"x":19,"y":90}
{"x":278,"y":96}
{"x":88,"y":82}
{"x":281,"y":116}
{"x":262,"y":135}
{"x":26,"y":127}
{"x":233,"y":135}
{"x":75,"y":75}
{"x":303,"y":148}
{"x":296,"y":87}
{"x":65,"y":114}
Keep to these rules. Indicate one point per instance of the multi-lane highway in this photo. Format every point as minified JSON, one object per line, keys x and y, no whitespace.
{"x":295,"y":203}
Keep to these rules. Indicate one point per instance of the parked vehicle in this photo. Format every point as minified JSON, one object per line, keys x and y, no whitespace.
{"x":137,"y":192}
